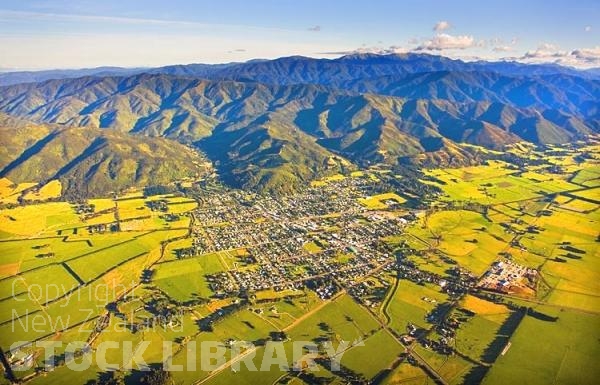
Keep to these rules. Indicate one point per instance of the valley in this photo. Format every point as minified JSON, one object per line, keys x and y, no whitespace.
{"x":374,"y":256}
{"x":299,"y":193}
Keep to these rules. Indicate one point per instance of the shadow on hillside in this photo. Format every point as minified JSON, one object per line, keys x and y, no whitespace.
{"x":28,"y":153}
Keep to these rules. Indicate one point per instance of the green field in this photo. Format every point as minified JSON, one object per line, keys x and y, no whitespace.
{"x":466,"y":236}
{"x":544,"y":352}
{"x":185,"y":280}
{"x":406,"y":304}
{"x":484,"y":335}
{"x":370,"y":359}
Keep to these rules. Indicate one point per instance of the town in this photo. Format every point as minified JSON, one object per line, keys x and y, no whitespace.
{"x":322,"y":234}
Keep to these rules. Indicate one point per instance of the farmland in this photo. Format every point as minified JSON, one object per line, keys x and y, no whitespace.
{"x":350,"y":259}
{"x":562,"y":338}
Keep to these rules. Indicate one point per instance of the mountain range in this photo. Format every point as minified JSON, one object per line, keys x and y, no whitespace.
{"x":312,"y":70}
{"x":275,"y":124}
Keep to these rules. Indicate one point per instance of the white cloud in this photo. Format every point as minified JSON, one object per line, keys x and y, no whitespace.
{"x":591,"y":55}
{"x":548,"y":47}
{"x":545,"y":53}
{"x":500,"y":45}
{"x":502,"y":48}
{"x":316,"y":28}
{"x":544,"y":50}
{"x":444,"y":41}
{"x":393,"y":49}
{"x":587,"y":28}
{"x":549,"y":53}
{"x":441,"y":26}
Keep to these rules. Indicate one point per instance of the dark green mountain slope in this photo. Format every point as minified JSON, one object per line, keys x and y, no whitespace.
{"x":91,"y":162}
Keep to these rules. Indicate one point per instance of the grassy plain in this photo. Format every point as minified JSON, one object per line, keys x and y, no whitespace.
{"x":184,"y":280}
{"x":544,"y":351}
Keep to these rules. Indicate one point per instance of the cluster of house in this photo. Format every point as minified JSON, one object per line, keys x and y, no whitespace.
{"x":457,"y":283}
{"x":445,"y":328}
{"x":161,"y":205}
{"x":84,"y":208}
{"x":283,"y":263}
{"x":103,"y":227}
{"x":372,"y":292}
{"x":320,"y":234}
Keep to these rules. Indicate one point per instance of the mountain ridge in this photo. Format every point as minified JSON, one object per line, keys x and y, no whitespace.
{"x":421,"y":63}
{"x":273,"y":137}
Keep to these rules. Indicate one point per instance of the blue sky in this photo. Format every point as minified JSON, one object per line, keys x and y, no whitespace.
{"x":40,"y":34}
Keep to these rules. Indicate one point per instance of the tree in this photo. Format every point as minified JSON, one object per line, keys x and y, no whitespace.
{"x":157,"y":376}
{"x":110,"y":378}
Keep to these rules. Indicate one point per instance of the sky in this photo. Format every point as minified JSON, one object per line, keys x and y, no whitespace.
{"x":38,"y":34}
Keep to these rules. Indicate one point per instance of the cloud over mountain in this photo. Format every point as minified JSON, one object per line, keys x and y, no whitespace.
{"x":550,"y":53}
{"x":443,"y":41}
{"x":441,"y":26}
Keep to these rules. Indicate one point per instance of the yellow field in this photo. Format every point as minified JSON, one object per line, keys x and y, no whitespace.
{"x":182,"y":207}
{"x":152,"y":223}
{"x":9,"y":269}
{"x":590,"y":194}
{"x":483,"y":307}
{"x":52,"y":189}
{"x":101,"y":204}
{"x":579,"y":205}
{"x":588,"y":176}
{"x":495,"y":183}
{"x":376,"y":202}
{"x":560,"y":199}
{"x":133,"y":208}
{"x":6,"y":187}
{"x":407,"y":374}
{"x":584,"y":302}
{"x":103,"y":218}
{"x":311,"y":247}
{"x":325,"y":180}
{"x":35,"y":219}
{"x":574,"y":287}
{"x":492,"y":170}
{"x":272,"y":294}
{"x":9,"y":192}
{"x":537,"y":176}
